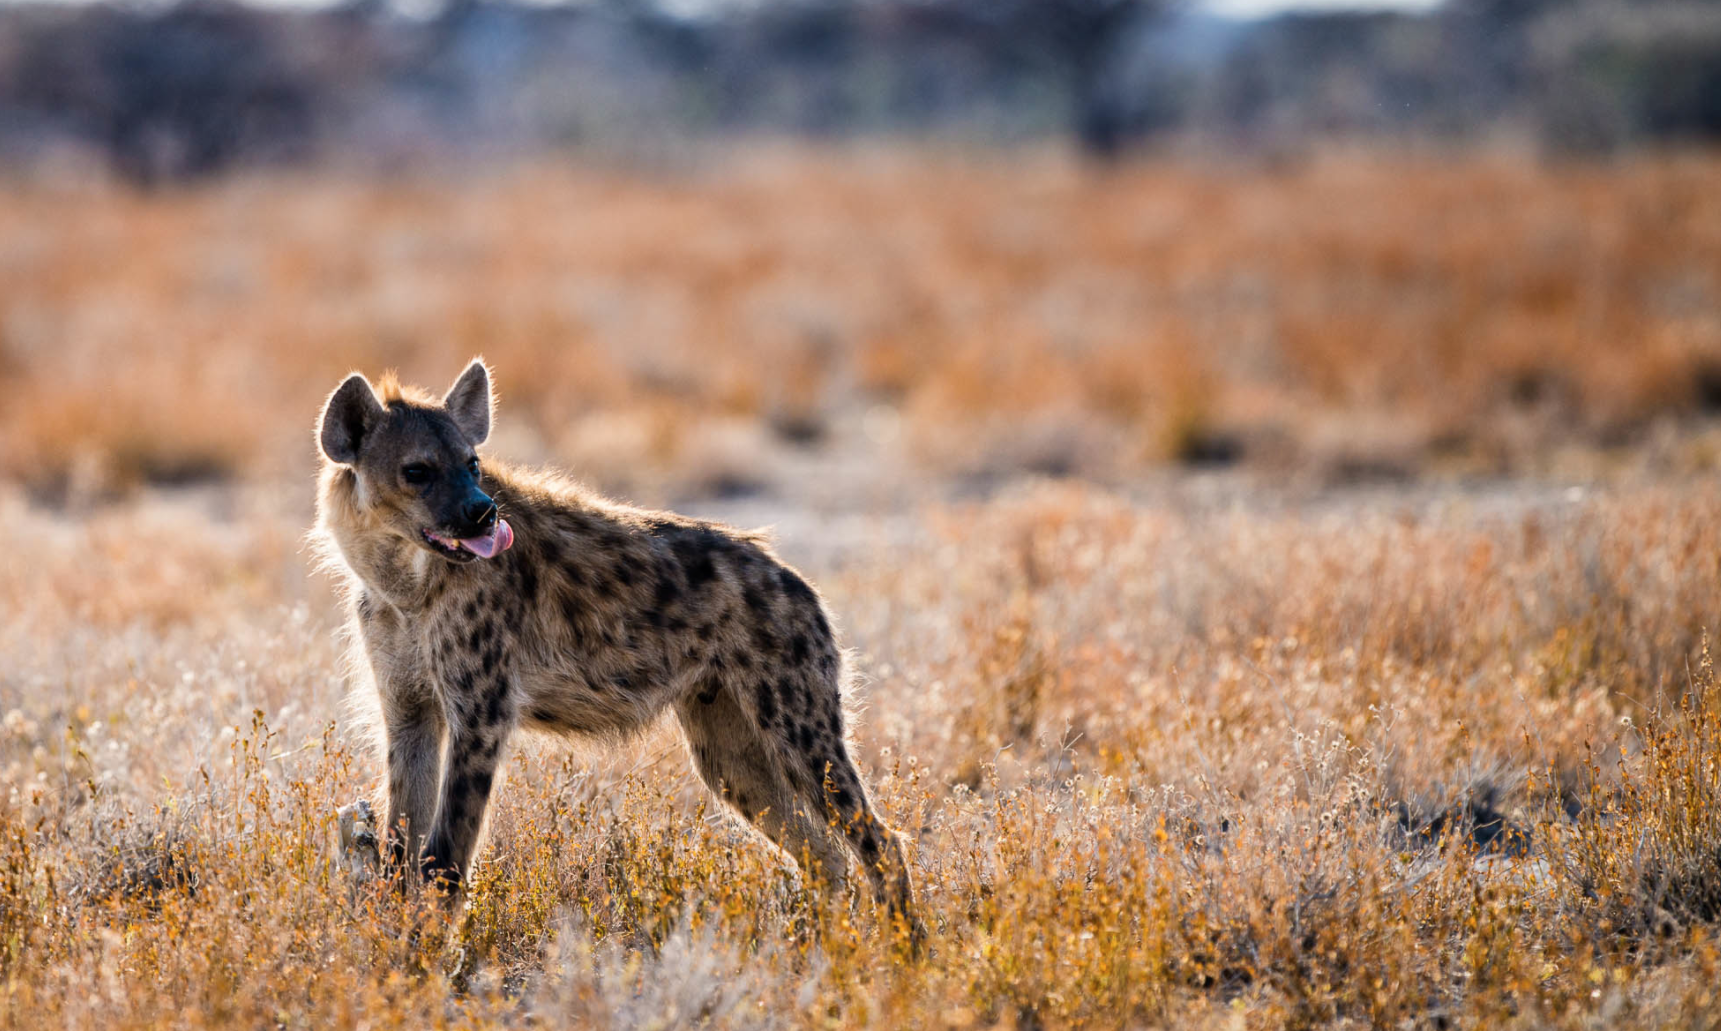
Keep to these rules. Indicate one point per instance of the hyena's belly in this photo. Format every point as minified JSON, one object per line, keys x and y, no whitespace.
{"x":595,"y":702}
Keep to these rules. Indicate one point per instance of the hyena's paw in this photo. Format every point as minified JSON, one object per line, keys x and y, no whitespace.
{"x":359,"y":852}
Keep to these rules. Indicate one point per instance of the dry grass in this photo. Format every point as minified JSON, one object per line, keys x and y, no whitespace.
{"x":1174,"y":749}
{"x":1165,"y":763}
{"x":1354,"y":316}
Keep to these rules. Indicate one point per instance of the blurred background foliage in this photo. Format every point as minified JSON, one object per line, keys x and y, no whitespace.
{"x":186,"y":89}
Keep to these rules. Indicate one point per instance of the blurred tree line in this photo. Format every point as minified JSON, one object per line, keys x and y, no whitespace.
{"x":185,"y":89}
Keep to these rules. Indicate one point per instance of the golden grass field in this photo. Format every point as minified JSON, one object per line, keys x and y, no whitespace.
{"x":1281,"y":595}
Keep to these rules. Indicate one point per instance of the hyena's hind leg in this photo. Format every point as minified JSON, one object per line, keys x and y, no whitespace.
{"x":804,"y":722}
{"x":875,"y":844}
{"x":740,"y":766}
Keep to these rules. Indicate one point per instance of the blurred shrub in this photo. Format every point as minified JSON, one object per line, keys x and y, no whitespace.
{"x":172,"y":93}
{"x":1615,"y":74}
{"x":190,"y":88}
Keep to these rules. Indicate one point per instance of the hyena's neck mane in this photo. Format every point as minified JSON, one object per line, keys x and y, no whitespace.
{"x":354,"y":541}
{"x":354,"y":538}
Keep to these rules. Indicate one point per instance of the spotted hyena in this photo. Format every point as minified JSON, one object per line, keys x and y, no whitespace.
{"x":489,"y":598}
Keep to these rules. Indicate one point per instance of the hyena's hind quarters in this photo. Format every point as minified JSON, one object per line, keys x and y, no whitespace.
{"x":358,"y":852}
{"x":739,"y":765}
{"x":819,"y":825}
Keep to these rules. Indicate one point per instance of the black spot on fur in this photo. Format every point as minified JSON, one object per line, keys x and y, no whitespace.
{"x":544,"y":714}
{"x":764,"y":639}
{"x":667,"y":593}
{"x":472,"y":782}
{"x":795,"y":587}
{"x":463,"y":685}
{"x":694,"y":551}
{"x":767,"y":703}
{"x":709,"y":695}
{"x":756,"y":600}
{"x":623,"y":575}
{"x":527,"y":577}
{"x":798,"y":649}
{"x":843,"y":799}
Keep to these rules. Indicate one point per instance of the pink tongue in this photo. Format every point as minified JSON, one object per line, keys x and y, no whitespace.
{"x":499,"y":539}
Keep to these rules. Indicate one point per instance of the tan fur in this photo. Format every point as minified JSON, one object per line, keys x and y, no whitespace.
{"x":597,"y":620}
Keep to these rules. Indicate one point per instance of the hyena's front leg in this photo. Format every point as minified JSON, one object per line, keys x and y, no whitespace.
{"x":476,"y":735}
{"x":414,"y":724}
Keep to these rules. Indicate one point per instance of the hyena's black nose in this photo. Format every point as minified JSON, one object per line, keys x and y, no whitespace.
{"x":480,"y":511}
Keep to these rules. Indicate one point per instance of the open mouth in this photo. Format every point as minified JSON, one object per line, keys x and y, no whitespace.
{"x":464,"y":549}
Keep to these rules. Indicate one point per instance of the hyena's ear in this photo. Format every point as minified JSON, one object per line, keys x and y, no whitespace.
{"x":353,"y":411}
{"x":468,"y":402}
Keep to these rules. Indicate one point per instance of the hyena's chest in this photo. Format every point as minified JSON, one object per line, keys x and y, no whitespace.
{"x":469,"y":650}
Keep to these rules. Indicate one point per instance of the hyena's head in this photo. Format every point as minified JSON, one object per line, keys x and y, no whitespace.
{"x":415,"y":465}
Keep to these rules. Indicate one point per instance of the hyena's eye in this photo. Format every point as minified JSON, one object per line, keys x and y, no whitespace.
{"x":472,"y":465}
{"x":416,"y":473}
